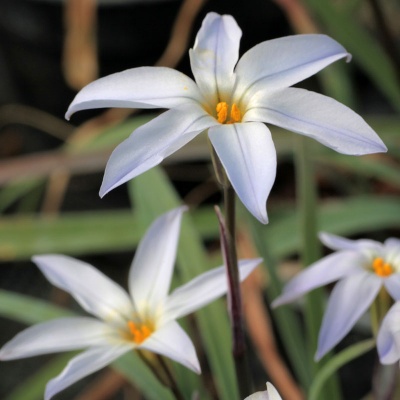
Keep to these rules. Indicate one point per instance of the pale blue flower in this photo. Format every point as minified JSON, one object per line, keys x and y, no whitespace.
{"x":361,"y":267}
{"x":145,"y":319}
{"x":231,"y":99}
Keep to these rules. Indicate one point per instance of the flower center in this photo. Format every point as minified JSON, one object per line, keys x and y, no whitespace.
{"x":139,"y":332}
{"x":222,"y":113}
{"x":381,"y":267}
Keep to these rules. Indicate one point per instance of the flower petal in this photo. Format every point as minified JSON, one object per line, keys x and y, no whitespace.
{"x":319,"y":117}
{"x":151,"y":143}
{"x":335,"y":242}
{"x":392,"y":285}
{"x":62,"y":334}
{"x":173,"y":342}
{"x":152,"y":267}
{"x":388,"y":340}
{"x":214,"y":55}
{"x":272,"y":392}
{"x":83,"y":365}
{"x":282,"y":62}
{"x":202,"y":290}
{"x":327,"y":270}
{"x":349,"y":299}
{"x":144,"y":87}
{"x":248,"y":155}
{"x":93,"y":290}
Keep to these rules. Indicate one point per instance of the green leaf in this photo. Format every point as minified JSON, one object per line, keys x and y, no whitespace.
{"x":33,"y":387}
{"x":337,"y":361}
{"x":364,"y":48}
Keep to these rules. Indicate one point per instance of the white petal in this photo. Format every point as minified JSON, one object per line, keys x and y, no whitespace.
{"x":349,"y":299}
{"x":327,"y":270}
{"x":272,"y":392}
{"x":152,"y":267}
{"x":172,"y":341}
{"x":319,"y":117}
{"x":62,"y":334}
{"x":248,"y":155}
{"x":282,"y":62}
{"x":388,"y":340}
{"x":203,"y":290}
{"x":214,"y":56}
{"x":335,"y":242}
{"x":151,"y":143}
{"x":83,"y":365}
{"x":94,"y":291}
{"x":144,"y":87}
{"x":392,"y":285}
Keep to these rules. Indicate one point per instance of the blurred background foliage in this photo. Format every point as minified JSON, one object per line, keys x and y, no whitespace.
{"x":51,"y":170}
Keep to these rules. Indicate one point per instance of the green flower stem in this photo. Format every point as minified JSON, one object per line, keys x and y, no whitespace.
{"x":311,"y":251}
{"x":234,"y":296}
{"x":379,"y":309}
{"x":228,"y":229}
{"x":162,"y":372}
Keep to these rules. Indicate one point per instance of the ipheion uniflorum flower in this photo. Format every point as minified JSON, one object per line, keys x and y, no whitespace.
{"x":232,"y":100}
{"x":143,"y":320}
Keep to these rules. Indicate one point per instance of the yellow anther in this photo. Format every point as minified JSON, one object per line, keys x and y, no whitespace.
{"x":139,"y":333}
{"x":381,"y":267}
{"x":222,"y":111}
{"x":236,"y":115}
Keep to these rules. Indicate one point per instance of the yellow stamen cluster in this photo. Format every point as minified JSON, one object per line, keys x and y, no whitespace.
{"x":139,"y":332}
{"x":222,"y":113}
{"x":381,"y":267}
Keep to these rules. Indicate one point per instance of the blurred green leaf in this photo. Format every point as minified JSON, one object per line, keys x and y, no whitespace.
{"x":339,"y":360}
{"x":33,"y":387}
{"x":365,"y":49}
{"x":80,"y":233}
{"x":351,"y":216}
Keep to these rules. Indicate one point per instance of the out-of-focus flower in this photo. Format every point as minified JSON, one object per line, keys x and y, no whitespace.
{"x":231,"y":99}
{"x":270,"y":394}
{"x":388,"y":340}
{"x":362,"y":268}
{"x":144,"y":320}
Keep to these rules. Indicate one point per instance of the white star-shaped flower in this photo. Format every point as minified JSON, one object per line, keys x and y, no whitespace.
{"x":362,"y":268}
{"x":145,"y":319}
{"x":231,"y":99}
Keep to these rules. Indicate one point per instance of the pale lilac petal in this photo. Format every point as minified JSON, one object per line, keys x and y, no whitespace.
{"x":94,"y":291}
{"x":327,"y":270}
{"x":173,"y":342}
{"x":388,"y":340}
{"x":392,"y":285}
{"x":144,"y":87}
{"x":214,"y":56}
{"x":248,"y":155}
{"x":152,"y":267}
{"x":151,"y":143}
{"x":83,"y":365}
{"x":316,"y":116}
{"x":282,"y":62}
{"x":203,"y":290}
{"x":340,"y":243}
{"x":62,"y":334}
{"x":349,"y":299}
{"x":393,"y":242}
